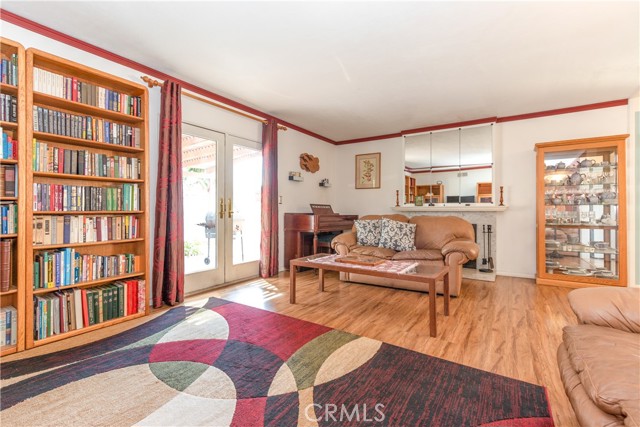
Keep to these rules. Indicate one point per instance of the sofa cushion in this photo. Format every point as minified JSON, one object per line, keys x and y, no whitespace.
{"x":433,"y":232}
{"x":367,"y":232}
{"x":617,"y":308}
{"x":395,"y":217}
{"x":608,"y":363}
{"x":419,"y":254}
{"x":397,"y":235}
{"x":373,"y":251}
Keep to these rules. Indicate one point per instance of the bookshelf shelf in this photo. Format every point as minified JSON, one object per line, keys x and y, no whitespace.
{"x":11,"y":291}
{"x":10,"y":89}
{"x":37,"y":63}
{"x":86,"y":329}
{"x":76,"y":107}
{"x":88,"y":212}
{"x":5,"y":350}
{"x":50,"y":137}
{"x":85,"y":244}
{"x":8,"y":125}
{"x":88,"y":284}
{"x":85,"y":177}
{"x":13,"y":299}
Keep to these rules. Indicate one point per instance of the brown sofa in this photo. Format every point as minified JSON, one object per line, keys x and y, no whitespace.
{"x":439,"y":240}
{"x":599,"y":359}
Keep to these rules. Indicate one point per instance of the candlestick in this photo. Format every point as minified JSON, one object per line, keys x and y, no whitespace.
{"x":501,"y":195}
{"x":397,"y":198}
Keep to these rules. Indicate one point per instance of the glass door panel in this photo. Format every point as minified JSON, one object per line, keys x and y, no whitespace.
{"x":202,"y":225}
{"x":243,"y":249}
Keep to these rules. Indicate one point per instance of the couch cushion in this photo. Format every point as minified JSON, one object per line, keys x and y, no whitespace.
{"x":617,"y":308}
{"x":373,"y":251}
{"x":367,"y":232}
{"x":608,"y":363}
{"x":420,"y":254}
{"x":586,"y":411}
{"x":395,"y":217}
{"x":433,"y":232}
{"x":397,"y":235}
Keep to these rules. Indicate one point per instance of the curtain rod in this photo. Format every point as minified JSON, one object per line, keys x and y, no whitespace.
{"x":152,"y":82}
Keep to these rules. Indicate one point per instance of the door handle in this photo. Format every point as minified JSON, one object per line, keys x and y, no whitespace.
{"x":221,"y":209}
{"x":230,"y":209}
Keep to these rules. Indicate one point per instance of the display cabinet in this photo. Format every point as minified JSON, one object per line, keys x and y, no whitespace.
{"x":581,"y":212}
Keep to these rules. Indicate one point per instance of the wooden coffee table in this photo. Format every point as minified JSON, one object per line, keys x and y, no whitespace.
{"x":403,"y":270}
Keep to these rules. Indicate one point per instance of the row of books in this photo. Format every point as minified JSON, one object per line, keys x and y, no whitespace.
{"x":65,"y":198}
{"x":9,"y":147}
{"x":8,"y":108}
{"x":47,"y":158}
{"x":67,"y":310}
{"x":67,"y":267}
{"x":8,"y":325}
{"x":8,"y":180}
{"x":84,"y":127}
{"x":8,"y":218}
{"x":6,"y":264}
{"x":57,"y":229}
{"x":9,"y":70}
{"x":86,"y":93}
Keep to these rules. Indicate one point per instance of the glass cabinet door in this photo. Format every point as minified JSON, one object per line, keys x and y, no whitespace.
{"x":582,"y":216}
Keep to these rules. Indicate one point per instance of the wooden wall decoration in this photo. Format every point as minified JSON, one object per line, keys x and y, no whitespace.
{"x":309,"y":163}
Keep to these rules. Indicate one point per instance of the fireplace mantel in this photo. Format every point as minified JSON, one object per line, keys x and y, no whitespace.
{"x":450,"y":207}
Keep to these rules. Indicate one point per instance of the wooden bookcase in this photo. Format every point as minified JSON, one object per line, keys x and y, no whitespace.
{"x":581,"y":212}
{"x":15,"y":296}
{"x":97,"y":88}
{"x":433,"y":193}
{"x":409,"y":189}
{"x":484,"y":192}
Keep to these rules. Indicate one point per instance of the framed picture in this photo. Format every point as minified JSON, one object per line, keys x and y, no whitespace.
{"x":368,"y":170}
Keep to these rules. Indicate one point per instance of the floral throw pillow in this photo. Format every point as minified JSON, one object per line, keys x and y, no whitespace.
{"x":396,"y":235}
{"x":367,"y":232}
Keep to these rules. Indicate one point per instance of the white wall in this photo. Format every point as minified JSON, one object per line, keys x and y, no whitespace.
{"x":350,"y":200}
{"x":514,"y":157}
{"x":517,"y":174}
{"x":296,"y":196}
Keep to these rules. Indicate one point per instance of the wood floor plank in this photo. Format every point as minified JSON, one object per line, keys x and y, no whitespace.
{"x":509,"y":327}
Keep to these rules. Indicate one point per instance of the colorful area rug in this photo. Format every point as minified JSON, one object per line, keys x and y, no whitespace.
{"x":218,"y":363}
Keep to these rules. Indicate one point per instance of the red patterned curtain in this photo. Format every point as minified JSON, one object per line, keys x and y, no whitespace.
{"x":269,"y":236}
{"x":168,"y":247}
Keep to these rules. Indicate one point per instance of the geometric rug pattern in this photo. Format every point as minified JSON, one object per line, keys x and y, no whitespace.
{"x":219,"y":363}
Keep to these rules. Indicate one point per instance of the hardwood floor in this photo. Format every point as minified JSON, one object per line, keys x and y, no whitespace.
{"x":509,"y":327}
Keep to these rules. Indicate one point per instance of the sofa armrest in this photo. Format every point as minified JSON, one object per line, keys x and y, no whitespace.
{"x":468,"y":248}
{"x":617,"y":308}
{"x":343,"y":243}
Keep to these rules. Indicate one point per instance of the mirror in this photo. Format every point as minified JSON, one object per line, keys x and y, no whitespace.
{"x":449,"y":166}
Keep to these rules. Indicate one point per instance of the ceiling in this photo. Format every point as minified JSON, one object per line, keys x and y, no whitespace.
{"x":348,"y":70}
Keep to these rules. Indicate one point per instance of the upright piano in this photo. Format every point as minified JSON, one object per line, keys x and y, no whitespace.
{"x":297,"y":226}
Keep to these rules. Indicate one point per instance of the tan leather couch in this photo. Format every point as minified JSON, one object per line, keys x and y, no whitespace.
{"x":440,"y":240}
{"x":599,"y":359}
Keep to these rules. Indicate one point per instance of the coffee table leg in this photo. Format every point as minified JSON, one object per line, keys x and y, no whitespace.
{"x":321,"y":280}
{"x":446,"y":294}
{"x":432,"y":307}
{"x":292,"y":284}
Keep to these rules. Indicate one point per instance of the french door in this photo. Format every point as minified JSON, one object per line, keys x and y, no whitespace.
{"x":222,"y":178}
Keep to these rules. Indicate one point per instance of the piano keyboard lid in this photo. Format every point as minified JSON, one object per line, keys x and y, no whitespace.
{"x":319,"y":209}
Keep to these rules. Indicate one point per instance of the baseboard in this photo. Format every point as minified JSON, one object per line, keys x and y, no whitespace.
{"x":519,"y":275}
